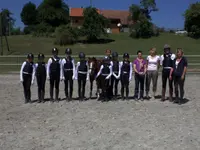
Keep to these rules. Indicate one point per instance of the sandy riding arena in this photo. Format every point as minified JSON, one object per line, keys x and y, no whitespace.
{"x":93,"y":125}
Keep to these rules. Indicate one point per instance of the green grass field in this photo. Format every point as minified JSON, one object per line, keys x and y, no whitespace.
{"x":23,"y":44}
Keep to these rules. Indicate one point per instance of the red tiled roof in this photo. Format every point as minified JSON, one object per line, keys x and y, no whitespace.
{"x":117,"y":14}
{"x":78,"y":12}
{"x":112,"y":14}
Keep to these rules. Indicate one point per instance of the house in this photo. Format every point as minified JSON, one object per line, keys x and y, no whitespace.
{"x":118,"y":19}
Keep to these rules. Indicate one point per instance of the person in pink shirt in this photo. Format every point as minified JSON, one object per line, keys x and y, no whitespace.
{"x":139,"y":66}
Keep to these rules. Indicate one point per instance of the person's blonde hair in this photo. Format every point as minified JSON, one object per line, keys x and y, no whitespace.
{"x":179,"y":50}
{"x":154,"y":49}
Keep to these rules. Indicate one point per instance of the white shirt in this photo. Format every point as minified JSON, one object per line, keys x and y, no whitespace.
{"x":131,"y":69}
{"x":153,"y":63}
{"x":177,"y":62}
{"x":21,"y":72}
{"x":74,"y":68}
{"x":48,"y":67}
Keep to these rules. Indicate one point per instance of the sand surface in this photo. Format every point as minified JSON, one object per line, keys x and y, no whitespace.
{"x":93,"y":125}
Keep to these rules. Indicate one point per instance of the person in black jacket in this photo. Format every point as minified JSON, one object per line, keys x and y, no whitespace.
{"x":82,"y":75}
{"x":68,"y":73}
{"x":41,"y":77}
{"x":105,"y":74}
{"x":126,"y":75}
{"x":54,"y":74}
{"x":27,"y":74}
{"x":115,"y":75}
{"x":167,"y":63}
{"x":179,"y":71}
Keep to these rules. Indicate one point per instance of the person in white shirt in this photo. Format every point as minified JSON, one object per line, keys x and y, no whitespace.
{"x":54,"y":74}
{"x":126,"y":70}
{"x":167,"y":62}
{"x":68,"y":67}
{"x":82,"y":75}
{"x":153,"y":62}
{"x":27,"y":75}
{"x":106,"y":73}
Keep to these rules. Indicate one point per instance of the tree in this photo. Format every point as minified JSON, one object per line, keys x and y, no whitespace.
{"x":53,"y":12}
{"x":141,"y":20}
{"x":29,"y":14}
{"x":94,"y":24}
{"x":192,"y":20}
{"x":7,"y":21}
{"x":147,"y":6}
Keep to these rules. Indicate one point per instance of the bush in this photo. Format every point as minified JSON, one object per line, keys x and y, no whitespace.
{"x":29,"y":29}
{"x":16,"y":31}
{"x":43,"y":30}
{"x":66,"y":35}
{"x":143,"y":29}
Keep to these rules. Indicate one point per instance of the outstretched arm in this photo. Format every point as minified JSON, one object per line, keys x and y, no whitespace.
{"x":21,"y":71}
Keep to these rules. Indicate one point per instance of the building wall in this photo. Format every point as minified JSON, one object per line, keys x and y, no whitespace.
{"x":77,"y":21}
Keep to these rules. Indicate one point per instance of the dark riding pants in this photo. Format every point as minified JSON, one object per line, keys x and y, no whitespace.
{"x":54,"y":82}
{"x":81,"y":85}
{"x":114,"y":83}
{"x":179,"y":84}
{"x":41,"y":80}
{"x":105,"y":84}
{"x":125,"y":85}
{"x":165,"y":77}
{"x":27,"y":86}
{"x":68,"y":84}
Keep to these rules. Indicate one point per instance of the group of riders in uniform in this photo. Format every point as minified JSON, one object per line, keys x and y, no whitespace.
{"x":107,"y":73}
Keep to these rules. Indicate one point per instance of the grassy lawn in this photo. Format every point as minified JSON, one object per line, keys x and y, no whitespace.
{"x":23,"y":44}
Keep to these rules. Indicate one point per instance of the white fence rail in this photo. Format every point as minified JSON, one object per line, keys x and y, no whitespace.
{"x":16,"y":60}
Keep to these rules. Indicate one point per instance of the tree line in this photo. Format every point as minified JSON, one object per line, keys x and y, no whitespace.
{"x":51,"y":19}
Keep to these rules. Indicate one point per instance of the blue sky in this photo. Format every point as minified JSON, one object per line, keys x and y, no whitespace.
{"x":169,"y":14}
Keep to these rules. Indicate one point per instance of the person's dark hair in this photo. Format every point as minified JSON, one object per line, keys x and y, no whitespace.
{"x":139,"y":52}
{"x":108,"y":50}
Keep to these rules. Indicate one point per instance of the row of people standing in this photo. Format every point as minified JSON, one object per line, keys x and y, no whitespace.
{"x":174,"y":69}
{"x":57,"y":70}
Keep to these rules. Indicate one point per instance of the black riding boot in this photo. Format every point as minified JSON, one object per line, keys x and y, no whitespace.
{"x":39,"y":96}
{"x":51,"y":95}
{"x":42,"y":96}
{"x":122,"y":93}
{"x":127,"y":93}
{"x":163,"y":94}
{"x":57,"y":95}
